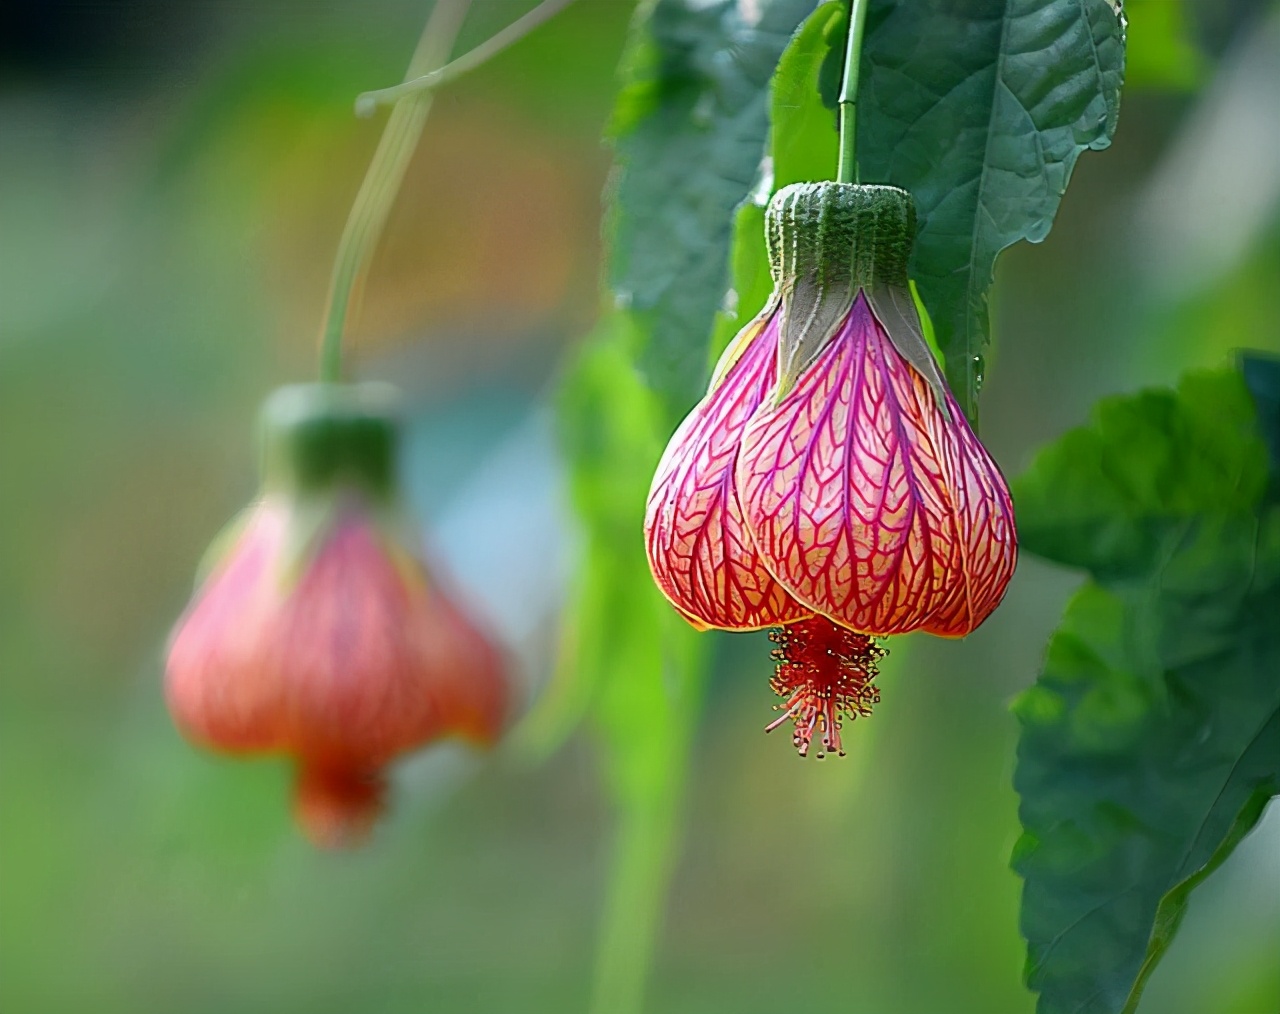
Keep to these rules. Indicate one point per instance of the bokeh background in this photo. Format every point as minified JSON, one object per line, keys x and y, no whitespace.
{"x":173,"y":181}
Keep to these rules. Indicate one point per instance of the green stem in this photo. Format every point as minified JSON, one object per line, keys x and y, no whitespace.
{"x":644,"y":854}
{"x":368,"y":102}
{"x":648,"y":769}
{"x":382,"y":181}
{"x":847,"y":172}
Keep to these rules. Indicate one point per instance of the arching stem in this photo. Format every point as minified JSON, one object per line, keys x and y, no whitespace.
{"x":368,"y":102}
{"x":847,"y":171}
{"x":382,"y":181}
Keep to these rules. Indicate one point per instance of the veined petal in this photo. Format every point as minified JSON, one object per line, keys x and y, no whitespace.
{"x":212,"y":678}
{"x":373,"y":660}
{"x":344,"y":657}
{"x":699,"y":551}
{"x":988,"y":542}
{"x":866,"y":503}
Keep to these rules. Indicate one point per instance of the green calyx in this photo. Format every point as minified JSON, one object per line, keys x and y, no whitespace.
{"x":828,"y":242}
{"x":840,"y":235}
{"x":318,"y":438}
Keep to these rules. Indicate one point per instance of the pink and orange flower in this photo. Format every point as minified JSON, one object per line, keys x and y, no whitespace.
{"x":318,"y":633}
{"x":828,"y":483}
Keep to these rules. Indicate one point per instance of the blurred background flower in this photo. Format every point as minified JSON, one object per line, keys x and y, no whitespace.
{"x":173,"y":181}
{"x":316,"y":632}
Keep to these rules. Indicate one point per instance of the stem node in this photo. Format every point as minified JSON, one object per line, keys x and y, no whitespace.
{"x":847,"y":170}
{"x":367,"y":102}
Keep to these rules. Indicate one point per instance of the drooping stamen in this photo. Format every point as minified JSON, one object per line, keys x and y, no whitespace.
{"x":337,"y":807}
{"x":826,"y":674}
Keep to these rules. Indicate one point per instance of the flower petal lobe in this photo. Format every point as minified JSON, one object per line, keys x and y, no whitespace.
{"x":699,"y":551}
{"x":867,"y":504}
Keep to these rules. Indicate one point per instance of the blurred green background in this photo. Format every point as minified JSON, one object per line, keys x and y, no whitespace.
{"x":173,"y":180}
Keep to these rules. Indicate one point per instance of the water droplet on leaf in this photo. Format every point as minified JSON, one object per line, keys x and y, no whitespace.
{"x":979,"y":371}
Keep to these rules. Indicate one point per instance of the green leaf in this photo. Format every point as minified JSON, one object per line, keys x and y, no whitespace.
{"x":980,"y":108}
{"x":1262,"y":377}
{"x":611,"y":432}
{"x":690,"y":131}
{"x":1162,"y":51}
{"x":805,"y":138}
{"x":1122,"y":486}
{"x":629,"y":662}
{"x":647,"y":712}
{"x":804,"y":145}
{"x":1151,"y":739}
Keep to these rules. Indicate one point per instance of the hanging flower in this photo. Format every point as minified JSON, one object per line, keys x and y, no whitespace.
{"x":828,"y":483}
{"x":317,"y":633}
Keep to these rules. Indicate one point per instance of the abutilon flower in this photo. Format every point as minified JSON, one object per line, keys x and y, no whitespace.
{"x":316,"y":632}
{"x":828,"y":483}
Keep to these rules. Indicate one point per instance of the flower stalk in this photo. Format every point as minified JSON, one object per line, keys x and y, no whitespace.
{"x":847,"y":170}
{"x":368,"y":102}
{"x":382,"y":181}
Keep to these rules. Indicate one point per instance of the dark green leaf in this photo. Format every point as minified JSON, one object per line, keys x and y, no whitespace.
{"x":1123,"y":485}
{"x":690,"y":133}
{"x":1151,"y":740}
{"x":980,"y":108}
{"x":804,"y":145}
{"x":1262,"y":377}
{"x":610,"y":431}
{"x":805,"y":139}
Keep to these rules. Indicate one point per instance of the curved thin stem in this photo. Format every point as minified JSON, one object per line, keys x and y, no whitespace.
{"x":382,"y":181}
{"x":368,"y":102}
{"x":847,"y":171}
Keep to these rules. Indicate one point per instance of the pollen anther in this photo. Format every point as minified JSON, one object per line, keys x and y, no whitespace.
{"x":826,"y":675}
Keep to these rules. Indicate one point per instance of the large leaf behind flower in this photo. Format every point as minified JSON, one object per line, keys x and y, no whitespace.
{"x":1151,"y":740}
{"x":804,"y":145}
{"x":980,"y":108}
{"x":690,"y":130}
